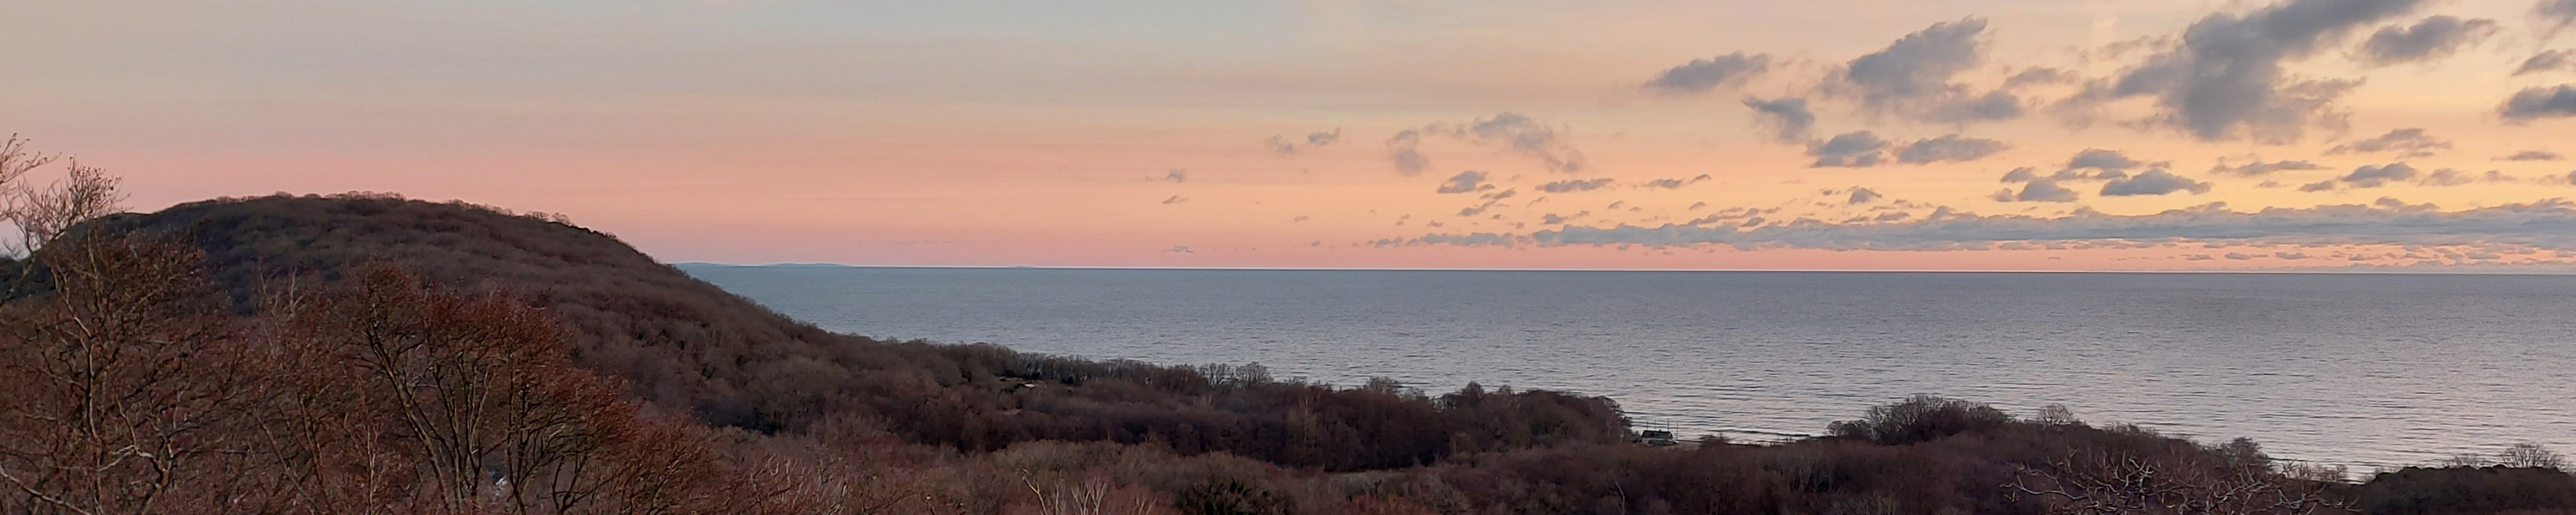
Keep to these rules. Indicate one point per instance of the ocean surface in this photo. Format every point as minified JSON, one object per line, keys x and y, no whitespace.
{"x":2361,"y":370}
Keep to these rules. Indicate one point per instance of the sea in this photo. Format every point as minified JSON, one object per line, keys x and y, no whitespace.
{"x":2368,"y":371}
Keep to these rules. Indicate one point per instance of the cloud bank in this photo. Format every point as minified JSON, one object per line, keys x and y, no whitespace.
{"x":2547,"y":224}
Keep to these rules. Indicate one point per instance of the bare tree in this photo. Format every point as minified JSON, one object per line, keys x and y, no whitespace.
{"x":43,"y":214}
{"x":124,"y":388}
{"x":2228,"y":480}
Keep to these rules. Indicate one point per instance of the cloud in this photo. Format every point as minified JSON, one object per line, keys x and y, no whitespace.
{"x":1280,"y":144}
{"x":1175,"y":199}
{"x":1178,"y":249}
{"x":2553,"y":60}
{"x":1574,"y":185}
{"x":2153,"y":182}
{"x":1482,"y":239}
{"x":2226,"y":80}
{"x":2433,"y":38}
{"x":1912,"y":77}
{"x":2091,"y":164}
{"x":1949,"y":148}
{"x":1863,"y":196}
{"x":1177,"y":175}
{"x":1520,"y":134}
{"x":1785,"y":120}
{"x":2536,"y":103}
{"x":2533,"y":155}
{"x":2039,"y":190}
{"x":2559,"y":14}
{"x":2546,"y":224}
{"x":2258,"y":168}
{"x":1851,"y":150}
{"x":2040,"y":75}
{"x":2447,"y":177}
{"x":2103,"y":160}
{"x":2023,"y":174}
{"x":2369,"y":176}
{"x":1704,"y":75}
{"x":1992,"y":106}
{"x":1672,"y":183}
{"x":2407,"y":143}
{"x":1465,"y":182}
{"x":1405,"y":150}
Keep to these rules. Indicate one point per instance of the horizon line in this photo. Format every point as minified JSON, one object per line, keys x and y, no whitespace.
{"x":2326,"y":271}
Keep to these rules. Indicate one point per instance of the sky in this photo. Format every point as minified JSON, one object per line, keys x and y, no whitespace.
{"x":1826,"y":134}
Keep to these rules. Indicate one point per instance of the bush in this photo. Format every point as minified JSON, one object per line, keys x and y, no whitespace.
{"x":1920,"y":419}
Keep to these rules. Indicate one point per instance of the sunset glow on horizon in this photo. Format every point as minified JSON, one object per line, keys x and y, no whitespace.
{"x":1739,"y":135}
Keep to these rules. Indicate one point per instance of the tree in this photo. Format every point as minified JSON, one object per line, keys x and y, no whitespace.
{"x":2233,"y":479}
{"x":125,"y":385}
{"x":43,"y":214}
{"x":482,"y":392}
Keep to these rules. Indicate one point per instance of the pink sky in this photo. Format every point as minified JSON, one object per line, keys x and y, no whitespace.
{"x":1045,"y":133}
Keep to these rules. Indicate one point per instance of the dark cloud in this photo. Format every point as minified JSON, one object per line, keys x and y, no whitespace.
{"x":1574,"y":185}
{"x":2226,"y":80}
{"x":2557,"y":14}
{"x":2553,"y":60}
{"x":2153,"y":182}
{"x":2041,"y":75}
{"x":1465,"y":182}
{"x":2433,"y":38}
{"x":1175,"y":199}
{"x":1522,"y":135}
{"x":1992,"y":106}
{"x":1784,"y":120}
{"x":1851,"y":150}
{"x":2546,"y":225}
{"x":1672,"y":183}
{"x":2023,"y":174}
{"x":2039,"y":190}
{"x":2544,"y":102}
{"x":1949,"y":148}
{"x":1405,"y":150}
{"x":1177,"y":175}
{"x":1863,"y":196}
{"x":1283,"y":146}
{"x":1704,"y":75}
{"x":2103,"y":160}
{"x":2369,"y":176}
{"x":2259,"y":168}
{"x":2407,"y":143}
{"x":2533,"y":155}
{"x":2447,"y":177}
{"x":1178,"y":249}
{"x":1912,"y":77}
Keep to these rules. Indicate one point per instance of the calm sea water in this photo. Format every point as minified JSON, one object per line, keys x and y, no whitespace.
{"x":2362,"y":370}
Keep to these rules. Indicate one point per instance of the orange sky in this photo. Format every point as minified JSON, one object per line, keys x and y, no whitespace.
{"x":1042,"y":133}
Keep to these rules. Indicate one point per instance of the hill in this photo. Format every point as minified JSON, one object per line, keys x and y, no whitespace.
{"x":689,"y":346}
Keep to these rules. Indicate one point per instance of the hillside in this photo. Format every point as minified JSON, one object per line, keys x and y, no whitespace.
{"x":683,"y":343}
{"x":688,"y":346}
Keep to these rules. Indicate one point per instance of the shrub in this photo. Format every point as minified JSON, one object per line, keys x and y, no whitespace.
{"x":1920,"y":419}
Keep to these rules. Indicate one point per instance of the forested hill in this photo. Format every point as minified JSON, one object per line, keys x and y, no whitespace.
{"x":689,"y":346}
{"x":683,"y":343}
